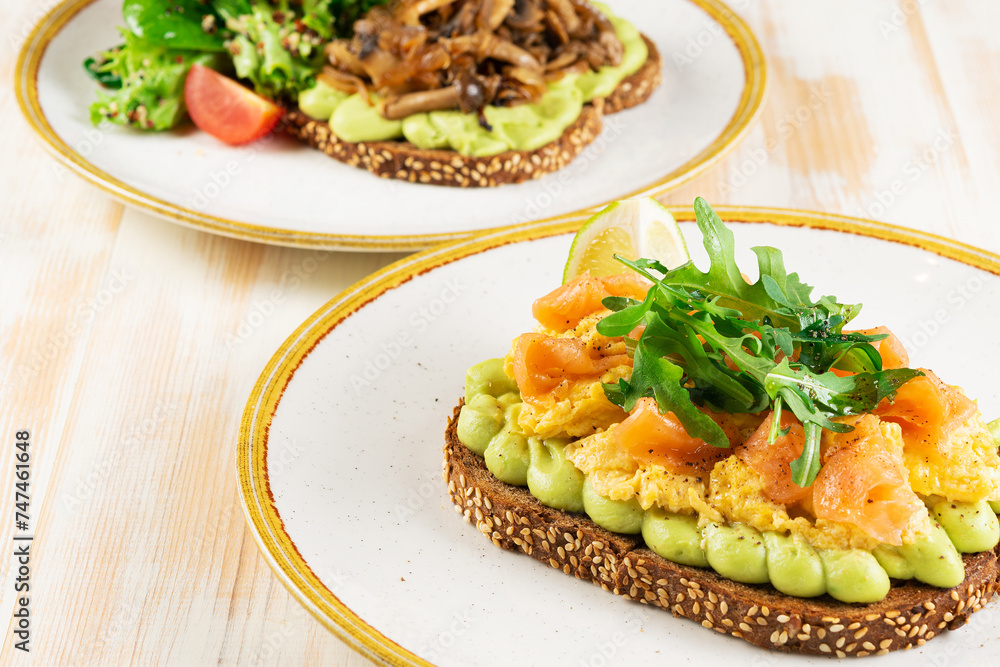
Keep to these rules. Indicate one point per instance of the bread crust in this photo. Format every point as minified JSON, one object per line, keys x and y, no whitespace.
{"x":405,"y":161}
{"x":910,"y":615}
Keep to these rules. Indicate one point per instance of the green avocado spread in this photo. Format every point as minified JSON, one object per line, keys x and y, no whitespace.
{"x":488,"y":425}
{"x":524,"y":127}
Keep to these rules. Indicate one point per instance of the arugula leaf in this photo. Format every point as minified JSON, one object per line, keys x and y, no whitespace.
{"x":670,"y":395}
{"x":713,"y":339}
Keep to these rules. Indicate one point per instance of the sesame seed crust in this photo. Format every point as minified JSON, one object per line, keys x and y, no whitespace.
{"x":909,"y":616}
{"x":404,"y":161}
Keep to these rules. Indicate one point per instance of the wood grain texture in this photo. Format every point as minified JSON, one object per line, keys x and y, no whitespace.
{"x":129,"y":345}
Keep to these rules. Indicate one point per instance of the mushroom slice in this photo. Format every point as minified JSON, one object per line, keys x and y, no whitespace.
{"x":397,"y":108}
{"x":526,"y":17}
{"x":556,"y":26}
{"x":342,"y":81}
{"x":409,"y":13}
{"x":567,"y":14}
{"x":563,"y":60}
{"x":339,"y":55}
{"x":492,"y":14}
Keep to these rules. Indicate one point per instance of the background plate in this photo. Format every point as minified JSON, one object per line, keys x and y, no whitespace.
{"x":339,"y":453}
{"x":281,"y":192}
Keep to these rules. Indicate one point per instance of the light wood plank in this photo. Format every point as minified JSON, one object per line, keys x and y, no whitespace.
{"x":142,"y":548}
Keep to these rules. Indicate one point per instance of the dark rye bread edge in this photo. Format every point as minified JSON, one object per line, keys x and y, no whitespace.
{"x":513,"y":519}
{"x":404,"y":161}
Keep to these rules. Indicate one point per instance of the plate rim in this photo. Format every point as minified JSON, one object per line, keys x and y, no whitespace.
{"x":48,"y":27}
{"x":266,"y":525}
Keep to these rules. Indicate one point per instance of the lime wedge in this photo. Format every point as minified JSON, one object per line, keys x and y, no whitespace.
{"x":632,"y":228}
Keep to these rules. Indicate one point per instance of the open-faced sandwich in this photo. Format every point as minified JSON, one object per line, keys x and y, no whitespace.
{"x":732,"y":452}
{"x":467,"y":93}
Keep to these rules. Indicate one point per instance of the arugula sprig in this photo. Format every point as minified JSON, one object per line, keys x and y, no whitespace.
{"x":712,"y":339}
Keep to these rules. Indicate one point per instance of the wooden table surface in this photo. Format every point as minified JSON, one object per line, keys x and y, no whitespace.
{"x":129,"y":345}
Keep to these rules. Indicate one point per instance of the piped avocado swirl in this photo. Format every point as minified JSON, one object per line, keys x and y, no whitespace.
{"x":488,"y":425}
{"x":524,"y":127}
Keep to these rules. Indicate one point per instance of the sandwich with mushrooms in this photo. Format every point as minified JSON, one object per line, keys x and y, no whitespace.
{"x":474,"y":93}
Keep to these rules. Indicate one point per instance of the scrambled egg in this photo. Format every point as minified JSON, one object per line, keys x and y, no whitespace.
{"x":967,"y":468}
{"x":733,"y":492}
{"x":616,"y":475}
{"x":584,"y":409}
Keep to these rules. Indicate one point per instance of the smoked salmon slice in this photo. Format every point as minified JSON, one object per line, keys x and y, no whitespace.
{"x":564,"y":307}
{"x":772,"y":461}
{"x":926,"y":409}
{"x":863,"y":482}
{"x":545,"y":364}
{"x":893,"y":353}
{"x":661,"y":439}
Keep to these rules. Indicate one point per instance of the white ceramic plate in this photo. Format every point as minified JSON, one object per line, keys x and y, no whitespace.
{"x":339,"y":454}
{"x":282,"y":192}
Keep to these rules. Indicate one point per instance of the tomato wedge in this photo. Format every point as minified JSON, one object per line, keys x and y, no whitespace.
{"x":225,"y":109}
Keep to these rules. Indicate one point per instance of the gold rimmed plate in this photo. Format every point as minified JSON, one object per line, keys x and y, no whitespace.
{"x":339,"y":452}
{"x":281,"y":192}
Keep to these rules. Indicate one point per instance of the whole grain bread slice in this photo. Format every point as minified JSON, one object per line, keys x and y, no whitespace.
{"x":910,"y":615}
{"x":405,"y":161}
